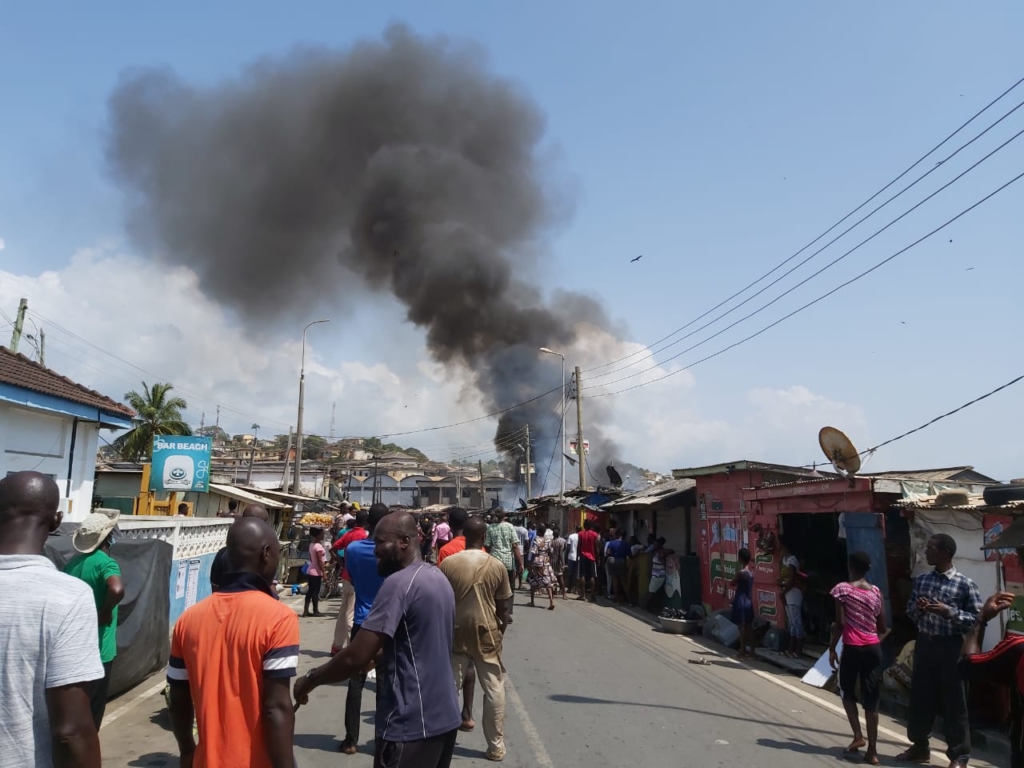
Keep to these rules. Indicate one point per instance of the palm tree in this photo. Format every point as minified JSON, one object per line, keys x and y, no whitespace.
{"x":156,"y":414}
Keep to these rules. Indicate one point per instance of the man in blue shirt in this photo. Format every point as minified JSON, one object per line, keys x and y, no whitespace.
{"x":361,"y":564}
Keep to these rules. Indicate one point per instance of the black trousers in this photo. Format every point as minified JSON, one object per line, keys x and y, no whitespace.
{"x":313,"y":584}
{"x":512,"y":585}
{"x":936,"y":687}
{"x":435,"y":752}
{"x":354,"y":702}
{"x":98,"y":695}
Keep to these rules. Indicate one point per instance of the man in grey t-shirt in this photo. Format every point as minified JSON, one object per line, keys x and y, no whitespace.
{"x":413,"y":622}
{"x":49,"y":640}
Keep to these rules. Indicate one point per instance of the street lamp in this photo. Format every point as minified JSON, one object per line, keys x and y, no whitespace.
{"x":547,"y":351}
{"x":302,"y":397}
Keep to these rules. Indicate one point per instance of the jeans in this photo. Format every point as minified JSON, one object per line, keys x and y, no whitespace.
{"x":354,"y":702}
{"x":492,"y":680}
{"x":936,"y":686}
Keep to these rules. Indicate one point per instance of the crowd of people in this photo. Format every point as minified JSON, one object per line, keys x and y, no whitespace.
{"x":433,"y":631}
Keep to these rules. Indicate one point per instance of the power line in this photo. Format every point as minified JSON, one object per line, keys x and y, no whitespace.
{"x":809,"y":304}
{"x":819,"y":237}
{"x":790,"y":271}
{"x":829,"y":265}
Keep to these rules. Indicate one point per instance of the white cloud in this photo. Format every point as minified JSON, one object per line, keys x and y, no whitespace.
{"x":2,"y":244}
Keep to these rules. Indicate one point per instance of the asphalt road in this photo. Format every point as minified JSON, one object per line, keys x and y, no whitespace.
{"x":588,"y":686}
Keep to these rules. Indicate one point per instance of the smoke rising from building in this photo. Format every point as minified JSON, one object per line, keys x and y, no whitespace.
{"x":400,"y":166}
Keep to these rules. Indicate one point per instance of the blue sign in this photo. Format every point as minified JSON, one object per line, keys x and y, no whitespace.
{"x":181,"y":464}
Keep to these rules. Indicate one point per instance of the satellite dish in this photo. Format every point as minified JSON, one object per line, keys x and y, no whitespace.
{"x":614,"y":476}
{"x":839,"y":450}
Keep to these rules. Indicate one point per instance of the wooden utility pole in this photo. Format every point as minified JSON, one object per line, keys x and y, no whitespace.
{"x":42,"y":347}
{"x":529,"y":479}
{"x":483,"y":492}
{"x":287,"y":460}
{"x":19,"y":325}
{"x":580,"y":450}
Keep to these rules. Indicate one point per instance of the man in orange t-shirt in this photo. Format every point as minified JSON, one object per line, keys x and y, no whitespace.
{"x":457,"y":518}
{"x":232,"y":659}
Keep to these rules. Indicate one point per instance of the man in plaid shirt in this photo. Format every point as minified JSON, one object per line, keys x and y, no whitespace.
{"x":945,"y":605}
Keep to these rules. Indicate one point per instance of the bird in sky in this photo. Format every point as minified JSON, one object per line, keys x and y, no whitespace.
{"x":636,"y":259}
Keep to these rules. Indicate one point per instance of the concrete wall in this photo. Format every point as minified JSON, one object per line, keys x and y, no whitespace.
{"x":40,"y":440}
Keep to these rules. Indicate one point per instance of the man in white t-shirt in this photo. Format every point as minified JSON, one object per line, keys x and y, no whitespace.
{"x":49,"y":638}
{"x":793,"y":592}
{"x":571,"y":550}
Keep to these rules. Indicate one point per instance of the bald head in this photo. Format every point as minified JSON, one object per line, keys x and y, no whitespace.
{"x":255,"y":510}
{"x":253,"y":547}
{"x":28,"y":512}
{"x":396,"y":543}
{"x":475,"y":531}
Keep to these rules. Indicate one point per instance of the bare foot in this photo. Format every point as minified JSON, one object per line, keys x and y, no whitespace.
{"x":871,"y":758}
{"x":467,"y":725}
{"x":856,"y":745}
{"x":551,"y":607}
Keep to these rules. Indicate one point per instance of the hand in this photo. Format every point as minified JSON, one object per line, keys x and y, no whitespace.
{"x":937,"y":607}
{"x":833,"y":659}
{"x":370,"y":666}
{"x":303,"y":687}
{"x":996,"y":604}
{"x":922,"y":603}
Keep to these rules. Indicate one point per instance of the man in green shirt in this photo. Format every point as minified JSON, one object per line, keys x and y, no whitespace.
{"x":97,"y":568}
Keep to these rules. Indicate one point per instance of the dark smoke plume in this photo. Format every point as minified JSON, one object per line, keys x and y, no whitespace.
{"x":404,"y":165}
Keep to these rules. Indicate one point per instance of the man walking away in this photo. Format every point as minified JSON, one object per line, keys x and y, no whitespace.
{"x":49,"y":644}
{"x":457,"y":518}
{"x":503,"y":543}
{"x":346,"y":613}
{"x":232,"y":657}
{"x":523,"y":533}
{"x":221,"y":565}
{"x":945,"y":605}
{"x":571,"y":552}
{"x":93,"y":538}
{"x":618,"y":556}
{"x":587,"y":562}
{"x":558,"y":552}
{"x":412,"y":621}
{"x":482,"y":592}
{"x":366,"y":580}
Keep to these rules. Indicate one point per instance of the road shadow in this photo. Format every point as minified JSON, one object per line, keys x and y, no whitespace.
{"x":802,"y":747}
{"x":162,"y":719}
{"x":324,"y":742}
{"x":156,"y":760}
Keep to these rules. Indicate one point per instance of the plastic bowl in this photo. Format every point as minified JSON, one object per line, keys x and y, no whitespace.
{"x":679,"y":626}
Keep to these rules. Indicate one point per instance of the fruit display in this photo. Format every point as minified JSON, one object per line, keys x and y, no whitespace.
{"x":317,"y":520}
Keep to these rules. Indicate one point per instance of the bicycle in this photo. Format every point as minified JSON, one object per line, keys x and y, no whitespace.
{"x":330,"y":586}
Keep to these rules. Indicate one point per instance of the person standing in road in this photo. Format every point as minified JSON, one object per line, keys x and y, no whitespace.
{"x":617,"y":557}
{"x":860,"y":622}
{"x":503,"y":543}
{"x":944,"y":604}
{"x":232,"y":659}
{"x":441,"y":536}
{"x":412,"y":624}
{"x":558,"y":552}
{"x":346,"y":612}
{"x":587,"y":562}
{"x":793,"y":593}
{"x":221,"y":565}
{"x":572,"y":547}
{"x":49,"y":643}
{"x":457,"y":518}
{"x":523,"y":534}
{"x":361,"y":563}
{"x":315,"y":572}
{"x":482,"y":593}
{"x":742,"y":601}
{"x":542,"y":575}
{"x":93,"y":539}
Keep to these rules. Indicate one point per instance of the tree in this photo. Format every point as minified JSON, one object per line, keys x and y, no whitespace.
{"x":156,"y":414}
{"x":313,"y":447}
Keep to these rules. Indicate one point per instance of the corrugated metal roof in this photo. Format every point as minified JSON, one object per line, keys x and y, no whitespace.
{"x":234,"y":492}
{"x":942,"y":474}
{"x":653,"y":495}
{"x":976,"y":503}
{"x":742,"y":465}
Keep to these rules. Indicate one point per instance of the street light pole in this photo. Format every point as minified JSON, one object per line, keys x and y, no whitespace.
{"x":561,"y":448}
{"x":302,"y":407}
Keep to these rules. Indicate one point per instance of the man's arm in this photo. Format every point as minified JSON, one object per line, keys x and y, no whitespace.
{"x":115,"y":594}
{"x":279,"y":721}
{"x":72,"y":732}
{"x":501,"y":612}
{"x":356,"y":657}
{"x":519,"y":558}
{"x":913,"y":609}
{"x":182,"y":716}
{"x":965,"y":614}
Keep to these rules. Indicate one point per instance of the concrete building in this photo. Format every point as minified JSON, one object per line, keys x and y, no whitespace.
{"x":50,"y":424}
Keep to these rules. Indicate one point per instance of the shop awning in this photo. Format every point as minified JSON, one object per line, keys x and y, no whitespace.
{"x":233,"y":492}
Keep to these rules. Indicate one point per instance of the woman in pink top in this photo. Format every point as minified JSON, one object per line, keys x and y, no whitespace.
{"x":315,"y":571}
{"x":861,"y":621}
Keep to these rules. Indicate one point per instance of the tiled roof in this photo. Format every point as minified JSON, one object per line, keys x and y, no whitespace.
{"x":19,"y":371}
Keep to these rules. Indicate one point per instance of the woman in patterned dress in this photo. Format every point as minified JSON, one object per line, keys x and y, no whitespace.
{"x":542,"y":575}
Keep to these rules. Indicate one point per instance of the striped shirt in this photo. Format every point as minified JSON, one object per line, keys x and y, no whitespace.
{"x":223,"y":647}
{"x":861,"y":608}
{"x":48,"y":639}
{"x":953,"y":589}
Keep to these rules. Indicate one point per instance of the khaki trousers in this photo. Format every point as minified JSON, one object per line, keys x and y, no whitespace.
{"x":346,"y":615}
{"x":492,"y":680}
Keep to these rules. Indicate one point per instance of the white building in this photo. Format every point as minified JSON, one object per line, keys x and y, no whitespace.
{"x":50,"y":424}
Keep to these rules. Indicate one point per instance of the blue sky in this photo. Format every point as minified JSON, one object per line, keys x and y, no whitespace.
{"x":715,"y":139}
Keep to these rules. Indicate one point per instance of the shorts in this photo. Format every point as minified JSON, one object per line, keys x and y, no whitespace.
{"x":795,"y":621}
{"x":861,"y":663}
{"x":571,"y":567}
{"x":587,"y":568}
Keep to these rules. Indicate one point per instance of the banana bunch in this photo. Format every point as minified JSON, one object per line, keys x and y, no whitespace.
{"x":317,"y":520}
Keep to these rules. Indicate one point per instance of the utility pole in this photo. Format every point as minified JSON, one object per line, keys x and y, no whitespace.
{"x":580,"y":450}
{"x":483,"y":493}
{"x":458,"y":486}
{"x":42,"y":347}
{"x":202,"y":422}
{"x":19,"y":324}
{"x":334,"y":407}
{"x":529,"y":479}
{"x":287,"y":459}
{"x":376,"y":480}
{"x":216,"y":429}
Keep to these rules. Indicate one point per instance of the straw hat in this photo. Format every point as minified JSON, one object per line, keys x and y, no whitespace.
{"x":94,"y":530}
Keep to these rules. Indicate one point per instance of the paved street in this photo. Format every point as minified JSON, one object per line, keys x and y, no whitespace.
{"x":589,"y":686}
